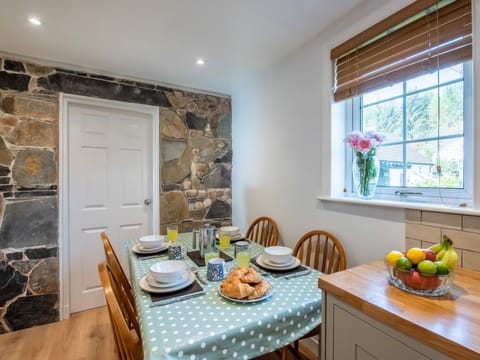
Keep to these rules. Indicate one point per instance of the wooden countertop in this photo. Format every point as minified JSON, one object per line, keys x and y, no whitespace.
{"x":449,"y":323}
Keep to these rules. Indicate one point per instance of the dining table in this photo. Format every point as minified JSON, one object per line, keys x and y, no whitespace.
{"x":210,"y":326}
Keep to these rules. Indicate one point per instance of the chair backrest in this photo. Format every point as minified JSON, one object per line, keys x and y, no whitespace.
{"x":322,"y":251}
{"x":128,"y":342}
{"x":121,"y":280}
{"x":263,"y":231}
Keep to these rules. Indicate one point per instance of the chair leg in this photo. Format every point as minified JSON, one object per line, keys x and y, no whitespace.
{"x":295,"y":345}
{"x":282,"y":353}
{"x":293,"y":348}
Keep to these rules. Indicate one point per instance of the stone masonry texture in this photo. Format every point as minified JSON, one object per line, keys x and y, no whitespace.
{"x":195,"y":152}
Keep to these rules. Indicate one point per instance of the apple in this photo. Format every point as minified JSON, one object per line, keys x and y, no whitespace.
{"x":429,"y":254}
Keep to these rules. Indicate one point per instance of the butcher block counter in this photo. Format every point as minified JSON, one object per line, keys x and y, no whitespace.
{"x":364,"y":317}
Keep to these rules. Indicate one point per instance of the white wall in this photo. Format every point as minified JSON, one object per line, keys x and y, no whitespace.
{"x":281,"y":142}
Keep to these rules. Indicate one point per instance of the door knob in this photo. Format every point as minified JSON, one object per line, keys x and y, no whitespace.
{"x":147,"y":201}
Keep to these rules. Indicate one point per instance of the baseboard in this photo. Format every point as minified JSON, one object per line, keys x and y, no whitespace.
{"x":65,"y":312}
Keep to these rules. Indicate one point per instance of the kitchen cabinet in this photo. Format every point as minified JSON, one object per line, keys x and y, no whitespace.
{"x":366,"y":318}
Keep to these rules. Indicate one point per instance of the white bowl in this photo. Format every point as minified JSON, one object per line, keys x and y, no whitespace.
{"x":278,"y":254}
{"x":151,"y":241}
{"x":168,"y":271}
{"x":232,"y":230}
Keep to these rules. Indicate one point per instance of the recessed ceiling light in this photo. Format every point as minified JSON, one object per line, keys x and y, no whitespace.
{"x":35,"y":21}
{"x":200,"y":62}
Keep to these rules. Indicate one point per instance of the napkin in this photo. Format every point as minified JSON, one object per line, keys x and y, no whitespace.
{"x":200,"y":260}
{"x":195,"y":289}
{"x":280,"y":273}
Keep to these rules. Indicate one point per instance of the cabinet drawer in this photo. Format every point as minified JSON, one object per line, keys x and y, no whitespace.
{"x":357,"y":339}
{"x":349,"y":334}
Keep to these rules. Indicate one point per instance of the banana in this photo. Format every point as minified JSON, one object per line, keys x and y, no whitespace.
{"x":436,"y":248}
{"x":450,"y":259}
{"x":444,"y":246}
{"x":448,"y":254}
{"x":444,"y":252}
{"x":440,"y":254}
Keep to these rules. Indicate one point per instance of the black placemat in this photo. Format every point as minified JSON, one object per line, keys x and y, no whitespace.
{"x":151,"y":254}
{"x":191,"y":289}
{"x":200,"y":260}
{"x":280,"y":273}
{"x":233,"y":241}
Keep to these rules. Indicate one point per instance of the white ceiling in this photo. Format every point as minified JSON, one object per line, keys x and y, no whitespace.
{"x":159,"y":40}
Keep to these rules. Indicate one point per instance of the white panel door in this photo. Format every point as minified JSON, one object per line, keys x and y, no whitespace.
{"x":110,"y":177}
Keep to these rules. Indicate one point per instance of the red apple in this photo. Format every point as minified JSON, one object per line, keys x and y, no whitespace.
{"x":429,"y":254}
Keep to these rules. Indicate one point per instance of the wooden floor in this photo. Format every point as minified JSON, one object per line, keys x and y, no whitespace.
{"x":85,"y":336}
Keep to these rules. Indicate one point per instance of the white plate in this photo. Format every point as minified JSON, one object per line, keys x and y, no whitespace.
{"x":266,"y":296}
{"x":268,"y":262}
{"x":139,"y":249}
{"x":235,"y":238}
{"x":157,"y":284}
{"x":144,"y":285}
{"x":267,"y":265}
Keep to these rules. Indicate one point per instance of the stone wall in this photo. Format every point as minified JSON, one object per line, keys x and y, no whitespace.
{"x":425,"y":228}
{"x":196,"y":163}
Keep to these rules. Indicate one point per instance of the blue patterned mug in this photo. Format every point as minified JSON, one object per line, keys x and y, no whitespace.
{"x":176,"y":251}
{"x":216,"y":269}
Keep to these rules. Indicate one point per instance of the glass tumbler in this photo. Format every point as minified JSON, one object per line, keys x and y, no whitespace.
{"x":208,"y":246}
{"x":242,"y":253}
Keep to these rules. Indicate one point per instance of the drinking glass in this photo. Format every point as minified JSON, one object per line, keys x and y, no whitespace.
{"x":242,"y":253}
{"x":211,"y":255}
{"x":224,"y":238}
{"x":208,"y":248}
{"x":172,"y":233}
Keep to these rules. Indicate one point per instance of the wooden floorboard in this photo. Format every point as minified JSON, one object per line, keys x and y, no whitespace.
{"x":85,"y":336}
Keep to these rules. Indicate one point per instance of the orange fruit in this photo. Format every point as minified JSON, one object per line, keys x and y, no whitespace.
{"x":392,"y":257}
{"x":415,"y":255}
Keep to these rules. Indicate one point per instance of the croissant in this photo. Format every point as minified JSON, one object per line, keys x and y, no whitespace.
{"x":237,"y":273}
{"x":244,"y":283}
{"x":236,"y":289}
{"x":260,"y":289}
{"x":251,"y":277}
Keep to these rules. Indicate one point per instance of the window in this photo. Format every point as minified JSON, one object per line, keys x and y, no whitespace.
{"x":410,"y":78}
{"x":426,"y":122}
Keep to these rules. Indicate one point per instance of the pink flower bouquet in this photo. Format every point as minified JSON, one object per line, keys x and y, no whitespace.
{"x":364,"y":143}
{"x":365,"y":168}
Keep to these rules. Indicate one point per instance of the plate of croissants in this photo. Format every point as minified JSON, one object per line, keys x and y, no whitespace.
{"x":245,"y":285}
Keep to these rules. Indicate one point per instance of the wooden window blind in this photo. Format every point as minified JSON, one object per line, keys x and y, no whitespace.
{"x":419,"y":39}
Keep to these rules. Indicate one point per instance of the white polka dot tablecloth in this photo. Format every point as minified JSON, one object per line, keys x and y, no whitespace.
{"x":211,"y":327}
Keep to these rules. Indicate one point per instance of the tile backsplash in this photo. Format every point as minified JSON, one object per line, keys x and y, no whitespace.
{"x":425,"y":228}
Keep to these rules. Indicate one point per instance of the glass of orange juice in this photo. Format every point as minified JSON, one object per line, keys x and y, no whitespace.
{"x":224,"y":239}
{"x":172,"y":233}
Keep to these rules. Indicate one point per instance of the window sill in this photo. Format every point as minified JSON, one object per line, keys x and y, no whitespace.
{"x":402,"y":205}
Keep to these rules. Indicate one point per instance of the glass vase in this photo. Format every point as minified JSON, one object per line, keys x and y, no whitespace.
{"x":365,"y":170}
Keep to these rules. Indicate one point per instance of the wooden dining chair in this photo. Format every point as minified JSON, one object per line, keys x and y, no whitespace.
{"x":128,"y":340}
{"x":120,"y":278}
{"x":263,"y":231}
{"x":322,"y":251}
